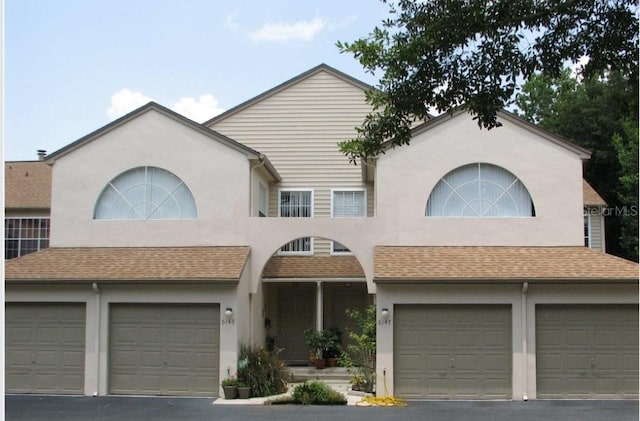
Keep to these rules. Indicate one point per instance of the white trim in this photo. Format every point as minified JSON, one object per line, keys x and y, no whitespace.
{"x":312,"y":204}
{"x":354,"y":189}
{"x":332,"y":252}
{"x":285,"y":189}
{"x":589,"y":233}
{"x":311,"y":280}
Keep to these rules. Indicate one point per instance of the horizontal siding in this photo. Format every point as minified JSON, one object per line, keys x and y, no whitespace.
{"x":299,"y":129}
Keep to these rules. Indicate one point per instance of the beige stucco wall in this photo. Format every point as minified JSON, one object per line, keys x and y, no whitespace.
{"x":217,"y":175}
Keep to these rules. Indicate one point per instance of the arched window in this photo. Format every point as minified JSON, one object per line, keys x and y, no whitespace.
{"x":480,"y":190}
{"x":146,"y":193}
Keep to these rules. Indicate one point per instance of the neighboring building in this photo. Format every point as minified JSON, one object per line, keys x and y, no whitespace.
{"x":593,"y":218}
{"x":176,"y":242}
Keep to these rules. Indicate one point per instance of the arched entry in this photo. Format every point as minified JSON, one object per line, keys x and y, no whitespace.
{"x":310,"y":291}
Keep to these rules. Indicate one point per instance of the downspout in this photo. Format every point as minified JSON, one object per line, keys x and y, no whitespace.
{"x":525,"y":288}
{"x":95,"y":288}
{"x":262,"y":161}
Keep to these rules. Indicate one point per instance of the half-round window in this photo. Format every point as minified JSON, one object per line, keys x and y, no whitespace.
{"x":146,"y":193}
{"x":480,"y":190}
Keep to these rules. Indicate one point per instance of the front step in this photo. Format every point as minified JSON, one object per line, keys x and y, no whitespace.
{"x":334,"y":375}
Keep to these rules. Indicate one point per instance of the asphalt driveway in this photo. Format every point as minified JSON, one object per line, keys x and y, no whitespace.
{"x":51,"y":408}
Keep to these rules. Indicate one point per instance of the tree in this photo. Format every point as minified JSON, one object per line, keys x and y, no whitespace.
{"x":600,"y":114}
{"x":472,"y":53}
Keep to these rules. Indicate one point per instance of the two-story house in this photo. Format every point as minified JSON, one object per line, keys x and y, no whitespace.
{"x":172,"y":243}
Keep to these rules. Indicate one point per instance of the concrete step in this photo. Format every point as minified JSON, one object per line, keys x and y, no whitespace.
{"x":339,"y":375}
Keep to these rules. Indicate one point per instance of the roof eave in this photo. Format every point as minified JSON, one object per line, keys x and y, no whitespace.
{"x":180,"y":281}
{"x":414,"y":281}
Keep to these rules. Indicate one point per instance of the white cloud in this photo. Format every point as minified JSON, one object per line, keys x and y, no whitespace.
{"x":124,"y":101}
{"x":301,"y":30}
{"x":199,"y":110}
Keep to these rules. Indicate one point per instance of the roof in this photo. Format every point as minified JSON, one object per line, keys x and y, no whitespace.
{"x":590,"y":197}
{"x":251,"y":153}
{"x":27,"y":185}
{"x":480,"y":263}
{"x":320,"y":68}
{"x":98,"y":264}
{"x":313,"y":267}
{"x":513,"y":118}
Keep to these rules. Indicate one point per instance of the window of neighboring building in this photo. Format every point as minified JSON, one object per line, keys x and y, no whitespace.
{"x":25,"y":235}
{"x":296,"y":204}
{"x":480,"y":190}
{"x":146,"y":193}
{"x":262,"y":201}
{"x":347,"y":203}
{"x":587,"y":231}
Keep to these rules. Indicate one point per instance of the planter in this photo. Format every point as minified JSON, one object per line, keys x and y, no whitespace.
{"x":244,"y":392}
{"x":230,"y":392}
{"x":332,"y":362}
{"x":319,"y":363}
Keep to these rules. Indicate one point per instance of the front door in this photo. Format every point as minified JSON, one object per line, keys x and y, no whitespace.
{"x":296,"y":313}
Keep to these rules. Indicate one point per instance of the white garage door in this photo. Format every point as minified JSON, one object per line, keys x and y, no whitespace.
{"x":44,"y":344}
{"x":452,"y":351}
{"x":587,"y":351}
{"x":164,"y":349}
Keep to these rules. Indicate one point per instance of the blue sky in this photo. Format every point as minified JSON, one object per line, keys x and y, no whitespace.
{"x":72,"y":66}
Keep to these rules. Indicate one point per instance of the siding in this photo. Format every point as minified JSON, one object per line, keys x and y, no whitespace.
{"x":597,"y":240}
{"x":298,"y":128}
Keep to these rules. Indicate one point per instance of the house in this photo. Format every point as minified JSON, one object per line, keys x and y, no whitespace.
{"x":172,"y":243}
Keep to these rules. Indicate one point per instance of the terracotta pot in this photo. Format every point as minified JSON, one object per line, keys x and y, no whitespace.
{"x":332,"y":362}
{"x":319,"y":363}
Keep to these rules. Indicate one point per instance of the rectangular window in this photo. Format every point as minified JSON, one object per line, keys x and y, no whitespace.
{"x":347,"y":203}
{"x":263,"y":210}
{"x":25,"y":235}
{"x":296,"y":204}
{"x":587,"y":231}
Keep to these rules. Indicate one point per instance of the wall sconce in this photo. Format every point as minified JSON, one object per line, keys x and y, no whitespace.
{"x":384,"y":314}
{"x":228,"y":313}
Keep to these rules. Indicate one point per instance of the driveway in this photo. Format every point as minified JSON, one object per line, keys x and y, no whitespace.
{"x":51,"y":408}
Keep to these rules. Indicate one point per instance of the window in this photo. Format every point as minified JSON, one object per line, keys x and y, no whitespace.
{"x":480,"y":190}
{"x":296,"y":204}
{"x":262,"y":201}
{"x":587,"y":231}
{"x":347,"y":203}
{"x":25,"y":235}
{"x":146,"y":193}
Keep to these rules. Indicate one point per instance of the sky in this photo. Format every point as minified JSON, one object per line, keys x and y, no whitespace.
{"x":73,"y":66}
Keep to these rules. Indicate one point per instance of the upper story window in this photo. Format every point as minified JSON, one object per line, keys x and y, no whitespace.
{"x":25,"y":235}
{"x":146,"y":193}
{"x":347,"y":203}
{"x":480,"y":190}
{"x":587,"y":231}
{"x":296,"y":204}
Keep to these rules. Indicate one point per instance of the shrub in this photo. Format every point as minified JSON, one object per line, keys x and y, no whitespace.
{"x":317,"y":393}
{"x":360,"y":354}
{"x":261,"y":370}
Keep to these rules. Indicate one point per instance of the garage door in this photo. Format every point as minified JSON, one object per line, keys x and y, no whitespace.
{"x":587,"y":351}
{"x":164,"y":349}
{"x":452,"y":351}
{"x":44,"y":344}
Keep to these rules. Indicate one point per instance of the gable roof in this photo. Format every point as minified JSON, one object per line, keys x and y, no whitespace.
{"x":590,"y":197}
{"x":583,"y":153}
{"x":309,"y":73}
{"x":499,"y":264}
{"x":27,"y":185}
{"x":251,"y":153}
{"x":313,"y":267}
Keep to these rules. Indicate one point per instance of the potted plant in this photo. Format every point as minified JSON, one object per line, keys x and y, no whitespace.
{"x":316,"y":340}
{"x":244,"y":391}
{"x":334,"y":338}
{"x":230,"y":387}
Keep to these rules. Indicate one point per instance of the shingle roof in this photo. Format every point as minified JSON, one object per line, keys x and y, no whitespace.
{"x":499,"y":264}
{"x":313,"y":267}
{"x":27,"y":185}
{"x":590,"y":196}
{"x":129,"y":264}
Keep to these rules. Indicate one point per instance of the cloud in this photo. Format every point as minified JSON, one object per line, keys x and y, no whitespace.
{"x":124,"y":101}
{"x":199,"y":110}
{"x":301,"y":30}
{"x":230,"y":22}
